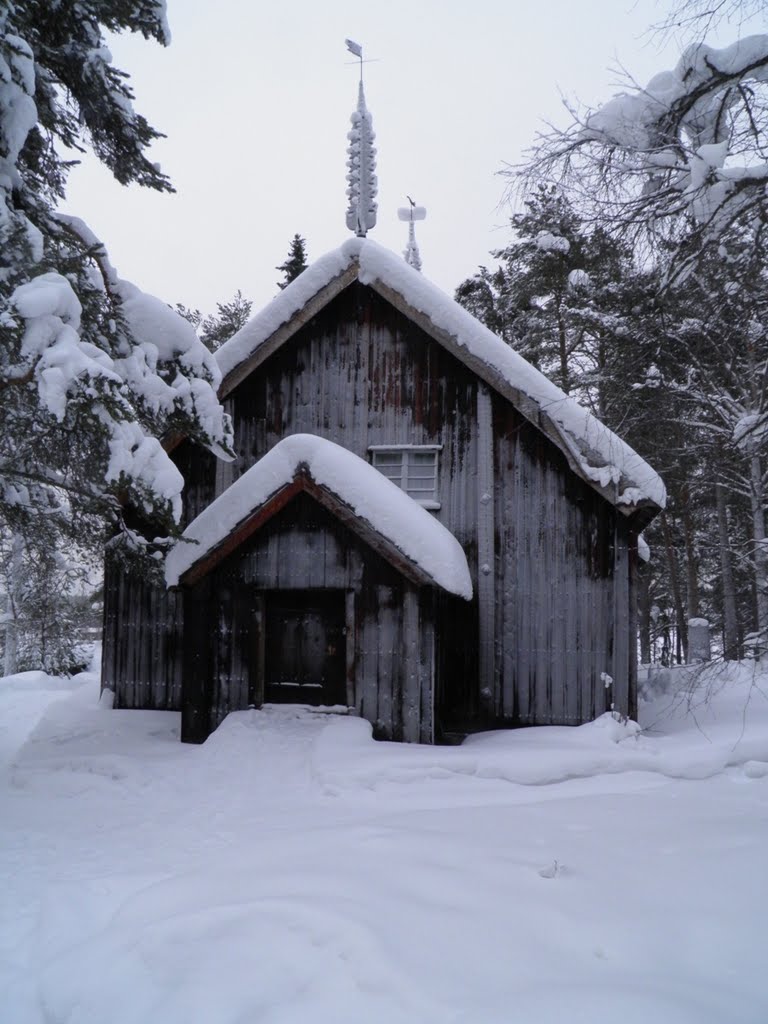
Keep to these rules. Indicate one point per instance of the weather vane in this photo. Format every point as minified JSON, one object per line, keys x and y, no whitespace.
{"x":357,"y":50}
{"x":361,"y":161}
{"x":412,"y":213}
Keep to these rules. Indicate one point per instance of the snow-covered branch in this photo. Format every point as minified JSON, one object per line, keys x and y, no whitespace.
{"x":93,"y":371}
{"x":683,"y":158}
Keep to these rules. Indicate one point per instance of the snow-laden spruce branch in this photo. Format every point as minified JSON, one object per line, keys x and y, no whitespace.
{"x":93,"y":372}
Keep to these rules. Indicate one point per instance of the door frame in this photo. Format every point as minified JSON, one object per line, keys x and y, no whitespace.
{"x":258,"y":677}
{"x":257,"y":687}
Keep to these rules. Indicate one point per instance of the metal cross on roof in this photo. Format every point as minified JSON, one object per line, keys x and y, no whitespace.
{"x":412,"y":213}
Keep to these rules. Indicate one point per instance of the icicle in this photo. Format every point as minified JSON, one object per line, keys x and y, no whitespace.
{"x":361,"y":164}
{"x":411,"y":253}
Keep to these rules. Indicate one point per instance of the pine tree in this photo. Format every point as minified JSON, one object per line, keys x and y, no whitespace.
{"x":560,"y":296}
{"x":192,"y":316}
{"x":46,"y":612}
{"x":571,"y":298}
{"x":486,"y":297}
{"x":296,"y":262}
{"x":218,"y":327}
{"x":92,"y":371}
{"x":677,"y":172}
{"x":226,"y":321}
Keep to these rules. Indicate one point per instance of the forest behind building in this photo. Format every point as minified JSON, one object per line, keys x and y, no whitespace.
{"x":636,"y":279}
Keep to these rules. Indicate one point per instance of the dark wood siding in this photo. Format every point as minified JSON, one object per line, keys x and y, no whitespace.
{"x":562,"y":578}
{"x":198,"y":467}
{"x":556,"y":596}
{"x":361,"y":374}
{"x":141,"y":656}
{"x":305,"y":548}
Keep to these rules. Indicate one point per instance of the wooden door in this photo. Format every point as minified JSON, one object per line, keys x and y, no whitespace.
{"x":305,"y":651}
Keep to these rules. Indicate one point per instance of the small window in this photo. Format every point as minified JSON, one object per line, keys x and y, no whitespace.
{"x":413,"y":468}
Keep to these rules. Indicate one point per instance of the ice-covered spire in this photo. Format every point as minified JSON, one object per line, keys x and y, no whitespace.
{"x":361,"y":162}
{"x":412,"y":213}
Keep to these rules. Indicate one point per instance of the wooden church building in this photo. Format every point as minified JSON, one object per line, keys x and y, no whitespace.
{"x":418,"y":526}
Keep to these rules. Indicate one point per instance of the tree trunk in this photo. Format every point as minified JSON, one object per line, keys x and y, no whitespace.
{"x":731,"y":650}
{"x":760,"y":557}
{"x":677,"y":599}
{"x":666,"y":643}
{"x":562,"y":338}
{"x":691,"y":560}
{"x":12,"y":606}
{"x":602,"y":411}
{"x":644,"y":613}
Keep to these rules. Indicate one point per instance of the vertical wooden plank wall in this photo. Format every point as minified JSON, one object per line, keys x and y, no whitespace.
{"x":563,"y":587}
{"x":621,"y":669}
{"x":389,"y":662}
{"x":361,"y":374}
{"x":554,"y":614}
{"x":427,"y":666}
{"x":486,"y":556}
{"x":199,"y":640}
{"x":411,"y":700}
{"x":350,"y":619}
{"x":633,"y":653}
{"x":224,"y":472}
{"x":141,"y":653}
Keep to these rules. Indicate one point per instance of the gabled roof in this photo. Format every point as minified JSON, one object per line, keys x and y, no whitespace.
{"x":373,"y":507}
{"x":593,"y":451}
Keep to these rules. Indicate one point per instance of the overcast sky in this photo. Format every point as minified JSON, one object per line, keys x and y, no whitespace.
{"x":255,"y":100}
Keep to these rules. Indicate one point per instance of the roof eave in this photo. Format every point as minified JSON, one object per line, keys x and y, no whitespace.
{"x":258,"y":517}
{"x":524,"y":404}
{"x":310,"y":309}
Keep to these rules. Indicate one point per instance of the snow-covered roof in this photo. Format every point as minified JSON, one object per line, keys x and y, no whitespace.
{"x":594,"y":451}
{"x":382,"y":506}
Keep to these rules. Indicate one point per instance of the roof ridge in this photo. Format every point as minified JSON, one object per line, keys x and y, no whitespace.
{"x":599,"y":455}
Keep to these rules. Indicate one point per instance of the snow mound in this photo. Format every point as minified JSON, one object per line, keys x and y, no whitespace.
{"x":388,"y":509}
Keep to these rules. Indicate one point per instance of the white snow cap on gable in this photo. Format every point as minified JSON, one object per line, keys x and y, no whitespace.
{"x":602,"y":456}
{"x":389,"y":510}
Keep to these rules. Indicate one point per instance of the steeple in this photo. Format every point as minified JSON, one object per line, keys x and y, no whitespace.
{"x":412,"y":213}
{"x":361,"y":161}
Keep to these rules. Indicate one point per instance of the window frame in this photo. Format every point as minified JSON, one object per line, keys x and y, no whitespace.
{"x":432,"y":504}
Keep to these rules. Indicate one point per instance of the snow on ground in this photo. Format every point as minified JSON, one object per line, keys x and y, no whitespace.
{"x":291,"y":869}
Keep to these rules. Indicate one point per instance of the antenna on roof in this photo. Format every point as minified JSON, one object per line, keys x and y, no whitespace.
{"x":361,"y":161}
{"x":412,"y":213}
